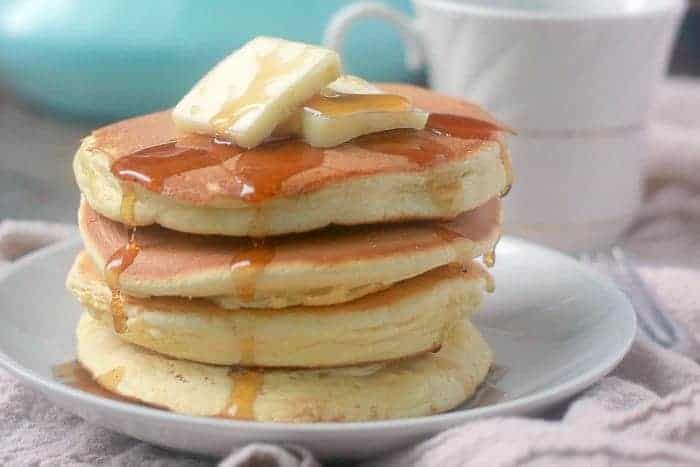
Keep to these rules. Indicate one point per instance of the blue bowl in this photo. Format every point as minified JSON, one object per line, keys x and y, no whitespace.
{"x":107,"y":60}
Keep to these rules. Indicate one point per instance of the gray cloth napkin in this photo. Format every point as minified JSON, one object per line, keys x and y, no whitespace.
{"x":647,"y":412}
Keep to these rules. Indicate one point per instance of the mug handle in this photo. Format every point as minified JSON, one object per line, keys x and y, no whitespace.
{"x":410,"y":33}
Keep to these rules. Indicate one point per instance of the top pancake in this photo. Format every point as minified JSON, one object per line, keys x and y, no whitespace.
{"x":141,"y":171}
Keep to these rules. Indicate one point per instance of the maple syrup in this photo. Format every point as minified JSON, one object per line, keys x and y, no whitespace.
{"x":151,"y":166}
{"x":128,"y":204}
{"x":262,"y":171}
{"x":414,"y":146}
{"x":330,"y":245}
{"x":335,"y":104}
{"x":73,"y":374}
{"x":462,"y":127}
{"x":248,"y":264}
{"x":118,"y":263}
{"x":245,"y":387}
{"x":489,"y":258}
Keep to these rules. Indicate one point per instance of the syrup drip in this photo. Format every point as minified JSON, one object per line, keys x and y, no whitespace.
{"x":334,"y":104}
{"x":490,"y":283}
{"x":128,"y":203}
{"x":245,"y":388}
{"x":262,"y":171}
{"x":259,"y":173}
{"x":462,"y":127}
{"x":74,"y":375}
{"x":118,"y":263}
{"x":247,"y":265}
{"x":270,"y":68}
{"x":489,"y":257}
{"x":151,"y":167}
{"x":407,"y":143}
{"x":480,"y":218}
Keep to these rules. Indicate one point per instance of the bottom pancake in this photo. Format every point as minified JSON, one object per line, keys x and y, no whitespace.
{"x":424,"y":385}
{"x":407,"y":319}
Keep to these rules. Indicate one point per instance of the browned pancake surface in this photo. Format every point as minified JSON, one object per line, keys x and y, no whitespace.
{"x":166,"y":253}
{"x":210,"y":171}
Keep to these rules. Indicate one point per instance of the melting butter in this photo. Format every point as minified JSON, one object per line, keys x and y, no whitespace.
{"x":250,"y":92}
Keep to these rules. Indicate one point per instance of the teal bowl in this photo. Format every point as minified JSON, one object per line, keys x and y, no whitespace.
{"x":112,"y":59}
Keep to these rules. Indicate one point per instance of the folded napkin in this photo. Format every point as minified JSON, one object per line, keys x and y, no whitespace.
{"x":647,"y":412}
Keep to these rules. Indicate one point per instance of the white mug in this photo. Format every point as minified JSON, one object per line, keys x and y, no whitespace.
{"x":575,"y":78}
{"x":537,"y":64}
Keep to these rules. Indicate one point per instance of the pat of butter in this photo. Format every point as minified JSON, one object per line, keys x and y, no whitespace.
{"x":249,"y":93}
{"x":350,"y":107}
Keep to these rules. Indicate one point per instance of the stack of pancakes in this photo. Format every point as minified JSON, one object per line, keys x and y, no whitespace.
{"x":289,"y":283}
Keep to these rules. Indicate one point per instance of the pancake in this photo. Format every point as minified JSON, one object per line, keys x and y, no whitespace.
{"x":425,"y":385}
{"x":334,"y":265}
{"x":141,"y":172}
{"x":409,"y":318}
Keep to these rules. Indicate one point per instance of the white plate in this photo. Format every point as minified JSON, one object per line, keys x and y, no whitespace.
{"x":555,"y":328}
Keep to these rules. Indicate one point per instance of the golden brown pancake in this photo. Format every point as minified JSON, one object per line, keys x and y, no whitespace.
{"x":407,"y":319}
{"x":141,"y":171}
{"x":328,"y":266}
{"x":428,"y":384}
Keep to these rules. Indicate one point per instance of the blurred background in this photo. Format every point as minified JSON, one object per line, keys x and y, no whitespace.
{"x":67,"y":66}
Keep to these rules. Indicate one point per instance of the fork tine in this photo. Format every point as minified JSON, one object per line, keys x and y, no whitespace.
{"x":605,"y":262}
{"x":659,"y":316}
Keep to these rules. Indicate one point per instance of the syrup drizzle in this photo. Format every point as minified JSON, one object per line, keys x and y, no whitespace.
{"x":412,"y":145}
{"x":245,"y":387}
{"x":247,"y":265}
{"x":480,"y":223}
{"x":128,"y":204}
{"x":335,"y":104}
{"x":489,"y":257}
{"x":152,"y":166}
{"x":462,"y":127}
{"x":259,"y":173}
{"x":73,"y":374}
{"x":118,"y":263}
{"x":262,"y":171}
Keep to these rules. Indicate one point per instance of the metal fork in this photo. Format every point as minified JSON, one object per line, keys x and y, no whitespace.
{"x":653,"y":321}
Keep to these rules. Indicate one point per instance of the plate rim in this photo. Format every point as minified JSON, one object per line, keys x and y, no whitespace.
{"x":528,"y":403}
